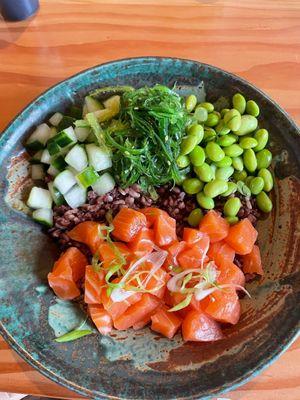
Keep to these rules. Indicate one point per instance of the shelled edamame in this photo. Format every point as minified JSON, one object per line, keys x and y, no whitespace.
{"x":225,"y":150}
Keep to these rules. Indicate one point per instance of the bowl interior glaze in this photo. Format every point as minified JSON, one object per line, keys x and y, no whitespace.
{"x":143,"y":365}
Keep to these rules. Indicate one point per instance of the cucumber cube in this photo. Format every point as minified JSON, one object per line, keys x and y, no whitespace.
{"x":39,"y":198}
{"x":64,"y":181}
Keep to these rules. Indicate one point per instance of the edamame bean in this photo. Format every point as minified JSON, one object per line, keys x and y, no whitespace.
{"x":266,"y":175}
{"x":212,"y":119}
{"x":240,"y":175}
{"x":195,"y":217}
{"x":201,"y":114}
{"x":224,"y":173}
{"x":222,"y":129}
{"x":214,"y":151}
{"x":264,"y":158}
{"x":225,"y":162}
{"x":232,"y":188}
{"x":256,"y":185}
{"x":190,"y":102}
{"x":234,"y":150}
{"x":226,"y":141}
{"x":250,"y":161}
{"x":213,"y":167}
{"x":248,"y":125}
{"x":248,"y":143}
{"x":197,"y":131}
{"x":262,"y":137}
{"x":197,"y":156}
{"x":264,"y":202}
{"x":239,"y":103}
{"x":224,"y":111}
{"x":252,"y":108}
{"x":232,"y":207}
{"x":248,"y":180}
{"x":215,"y":188}
{"x":204,"y":172}
{"x":209,"y":106}
{"x":204,"y":201}
{"x":192,"y":185}
{"x":232,"y":220}
{"x":233,"y":119}
{"x":183,"y":161}
{"x":237,"y":163}
{"x":188,"y":143}
{"x":209,"y":134}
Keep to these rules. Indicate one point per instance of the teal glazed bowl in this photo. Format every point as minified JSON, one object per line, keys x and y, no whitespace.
{"x":142,"y":365}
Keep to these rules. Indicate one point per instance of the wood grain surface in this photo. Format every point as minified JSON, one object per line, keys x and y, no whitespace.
{"x":258,"y":40}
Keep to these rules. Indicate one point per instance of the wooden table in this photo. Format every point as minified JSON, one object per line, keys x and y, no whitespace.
{"x":257,"y":39}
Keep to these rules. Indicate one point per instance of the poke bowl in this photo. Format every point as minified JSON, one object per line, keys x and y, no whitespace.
{"x":149,"y":229}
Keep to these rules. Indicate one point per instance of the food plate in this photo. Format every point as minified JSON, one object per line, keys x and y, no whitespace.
{"x":142,"y":365}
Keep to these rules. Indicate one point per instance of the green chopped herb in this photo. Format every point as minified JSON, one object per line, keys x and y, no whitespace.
{"x":73,"y":335}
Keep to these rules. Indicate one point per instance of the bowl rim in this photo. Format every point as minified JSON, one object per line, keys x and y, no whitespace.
{"x":247,"y":376}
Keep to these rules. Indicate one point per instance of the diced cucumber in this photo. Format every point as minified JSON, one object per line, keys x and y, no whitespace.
{"x":87,"y":177}
{"x":38,"y":139}
{"x":56,"y":119}
{"x":104,"y":184}
{"x":37,"y":172}
{"x":82,"y":133}
{"x":39,"y":198}
{"x":73,"y":170}
{"x":65,"y":122}
{"x":113,"y":104}
{"x":59,"y":163}
{"x":55,"y":194}
{"x":76,"y":196}
{"x":52,"y":171}
{"x":46,"y":157}
{"x":99,"y":158}
{"x":64,"y":181}
{"x":36,"y":158}
{"x":53,"y":147}
{"x":44,"y":216}
{"x":92,"y":104}
{"x":77,"y":158}
{"x":65,"y":137}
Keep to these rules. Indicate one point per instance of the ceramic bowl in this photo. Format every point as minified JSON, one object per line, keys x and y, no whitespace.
{"x":143,"y":365}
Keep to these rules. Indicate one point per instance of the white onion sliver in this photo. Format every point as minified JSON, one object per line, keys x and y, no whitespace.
{"x":200,"y":294}
{"x":172,"y":283}
{"x":157,"y":264}
{"x":155,"y":257}
{"x":119,"y":294}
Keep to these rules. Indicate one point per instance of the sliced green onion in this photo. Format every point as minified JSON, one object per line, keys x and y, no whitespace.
{"x":182,"y":304}
{"x":87,"y":177}
{"x":73,"y":335}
